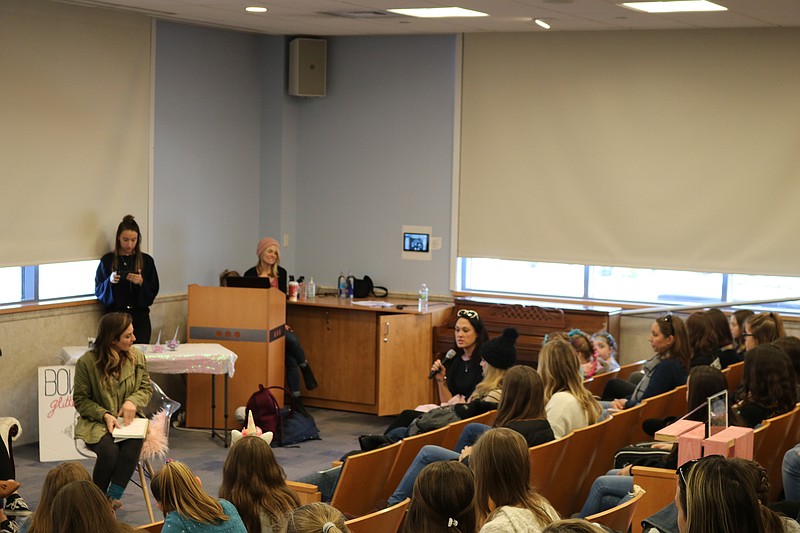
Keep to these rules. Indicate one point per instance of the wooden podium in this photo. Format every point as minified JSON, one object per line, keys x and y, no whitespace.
{"x":250,"y":323}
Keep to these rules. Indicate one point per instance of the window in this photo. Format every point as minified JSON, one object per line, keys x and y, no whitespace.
{"x":42,"y":283}
{"x":638,"y":285}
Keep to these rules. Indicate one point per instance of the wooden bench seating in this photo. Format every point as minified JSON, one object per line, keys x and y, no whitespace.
{"x":384,"y":521}
{"x":619,"y":518}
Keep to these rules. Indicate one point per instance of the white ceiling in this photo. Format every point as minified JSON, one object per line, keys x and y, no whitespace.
{"x":369,"y":17}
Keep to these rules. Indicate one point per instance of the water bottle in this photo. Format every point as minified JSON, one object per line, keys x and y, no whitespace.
{"x":351,"y":285}
{"x":311,"y":289}
{"x":422,"y":304}
{"x":341,"y":285}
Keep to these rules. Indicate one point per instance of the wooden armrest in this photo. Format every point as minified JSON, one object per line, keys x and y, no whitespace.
{"x":334,"y":464}
{"x":307,"y":492}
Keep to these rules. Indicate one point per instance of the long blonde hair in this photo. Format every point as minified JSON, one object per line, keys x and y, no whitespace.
{"x":176,"y":489}
{"x":271,"y":270}
{"x":312,"y":517}
{"x":492,"y":379}
{"x":560,"y":370}
{"x":502,"y":467}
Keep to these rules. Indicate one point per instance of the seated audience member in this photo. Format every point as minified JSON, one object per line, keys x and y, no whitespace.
{"x":254,"y":482}
{"x":663,"y":372}
{"x":616,"y":486}
{"x":187,"y":507}
{"x":443,"y":500}
{"x":737,"y":320}
{"x":15,"y":506}
{"x":726,"y":351}
{"x":497,"y":356}
{"x":703,"y":343}
{"x":790,"y":471}
{"x":225,"y":274}
{"x":585,"y":350}
{"x":769,"y":387}
{"x":504,"y":497}
{"x":605,"y":347}
{"x":56,"y":479}
{"x":717,"y":495}
{"x":568,"y":404}
{"x":762,"y":328}
{"x":521,"y":409}
{"x":315,"y":518}
{"x":80,"y":507}
{"x":791,"y":347}
{"x":458,"y":377}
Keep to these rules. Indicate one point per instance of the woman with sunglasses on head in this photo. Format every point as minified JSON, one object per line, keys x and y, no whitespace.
{"x":664,"y":371}
{"x":459,"y":376}
{"x":496,"y":357}
{"x":717,"y":495}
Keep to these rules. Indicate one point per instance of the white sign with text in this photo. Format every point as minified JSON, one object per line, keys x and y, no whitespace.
{"x":56,"y":414}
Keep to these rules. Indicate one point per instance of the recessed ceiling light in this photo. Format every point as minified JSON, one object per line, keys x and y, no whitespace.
{"x":674,"y":6}
{"x":543,"y":24}
{"x":438,"y":12}
{"x":256,"y":9}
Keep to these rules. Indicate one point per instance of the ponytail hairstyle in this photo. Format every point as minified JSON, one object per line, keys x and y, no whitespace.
{"x":315,"y":518}
{"x":765,"y":327}
{"x":128,"y":224}
{"x":582,"y":344}
{"x":443,"y":500}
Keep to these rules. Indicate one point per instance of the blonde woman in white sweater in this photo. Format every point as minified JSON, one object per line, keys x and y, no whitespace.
{"x":569,"y":405}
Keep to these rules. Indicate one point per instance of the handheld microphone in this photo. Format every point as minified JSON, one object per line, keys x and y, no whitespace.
{"x":449,"y":355}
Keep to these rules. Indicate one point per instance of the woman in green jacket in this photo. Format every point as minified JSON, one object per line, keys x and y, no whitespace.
{"x":111,"y":381}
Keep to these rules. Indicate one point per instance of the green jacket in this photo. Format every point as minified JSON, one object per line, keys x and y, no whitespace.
{"x":93,"y":400}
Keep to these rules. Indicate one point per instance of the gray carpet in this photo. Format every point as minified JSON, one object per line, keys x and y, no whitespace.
{"x":339,"y":431}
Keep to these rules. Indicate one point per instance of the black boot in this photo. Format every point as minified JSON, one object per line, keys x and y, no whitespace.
{"x":308,"y":377}
{"x":372,"y":442}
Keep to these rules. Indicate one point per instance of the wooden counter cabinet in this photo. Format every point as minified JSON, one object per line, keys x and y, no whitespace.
{"x":369,"y":360}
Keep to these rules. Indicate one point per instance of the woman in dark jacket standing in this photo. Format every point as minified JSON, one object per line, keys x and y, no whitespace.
{"x":127,"y":280}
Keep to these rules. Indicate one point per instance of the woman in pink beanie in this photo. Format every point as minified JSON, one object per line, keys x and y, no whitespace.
{"x":268,"y":252}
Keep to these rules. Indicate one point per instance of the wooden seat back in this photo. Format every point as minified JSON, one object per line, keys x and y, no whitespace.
{"x":618,"y":435}
{"x":567,"y":494}
{"x":618,"y":518}
{"x":454,"y":429}
{"x":734,"y":374}
{"x":409,"y":448}
{"x":625,"y":371}
{"x":769,"y":450}
{"x":545,"y":461}
{"x":384,"y":521}
{"x":659,"y":487}
{"x":596,"y":384}
{"x":659,"y":406}
{"x":362,"y":480}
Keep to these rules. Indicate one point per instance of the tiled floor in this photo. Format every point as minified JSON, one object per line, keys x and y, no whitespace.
{"x":339,"y":431}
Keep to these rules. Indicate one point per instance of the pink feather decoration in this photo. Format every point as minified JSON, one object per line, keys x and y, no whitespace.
{"x":156,"y":443}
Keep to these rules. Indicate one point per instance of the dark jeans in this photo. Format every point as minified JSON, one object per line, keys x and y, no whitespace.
{"x":6,"y":464}
{"x":116,"y":461}
{"x":295,"y":356}
{"x":617,"y":388}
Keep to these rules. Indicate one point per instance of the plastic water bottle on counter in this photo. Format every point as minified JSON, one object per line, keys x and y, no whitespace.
{"x":351,"y":285}
{"x":341,"y":285}
{"x":422,"y":304}
{"x":311,"y":289}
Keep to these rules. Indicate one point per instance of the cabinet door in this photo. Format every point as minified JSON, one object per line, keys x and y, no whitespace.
{"x":340,"y":346}
{"x":404,"y":360}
